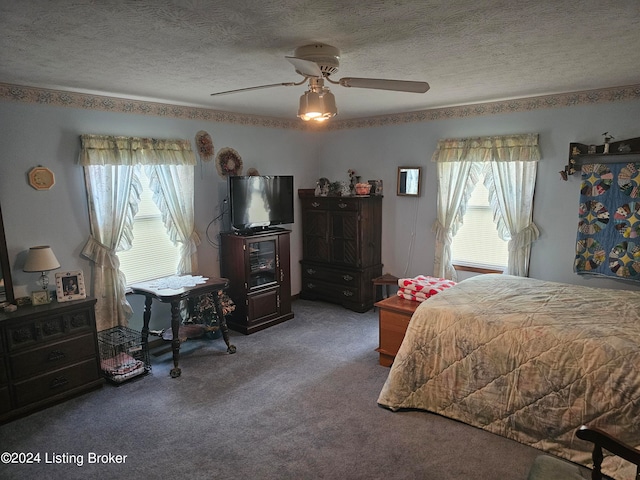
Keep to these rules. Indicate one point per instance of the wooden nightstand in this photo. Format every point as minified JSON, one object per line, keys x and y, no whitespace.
{"x":394,"y":314}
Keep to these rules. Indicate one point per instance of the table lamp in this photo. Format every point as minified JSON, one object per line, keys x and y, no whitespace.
{"x":41,"y":259}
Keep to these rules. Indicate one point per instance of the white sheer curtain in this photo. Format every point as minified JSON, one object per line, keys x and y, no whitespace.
{"x":113,"y":192}
{"x":455,"y":184}
{"x":511,"y":186}
{"x":511,"y":182}
{"x":172,"y":187}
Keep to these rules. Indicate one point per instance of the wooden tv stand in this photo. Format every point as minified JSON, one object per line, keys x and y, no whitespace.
{"x":394,"y":315}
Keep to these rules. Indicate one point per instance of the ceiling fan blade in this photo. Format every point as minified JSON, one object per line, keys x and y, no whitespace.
{"x":305,"y":67}
{"x":380,"y":84}
{"x":237,"y":90}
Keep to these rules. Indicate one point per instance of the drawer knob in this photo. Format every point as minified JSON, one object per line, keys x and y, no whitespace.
{"x":347,"y":293}
{"x":56,"y":355}
{"x":347,"y":278}
{"x":315,"y":204}
{"x":342,"y":205}
{"x":311,"y":271}
{"x":310,"y":286}
{"x":58,"y":382}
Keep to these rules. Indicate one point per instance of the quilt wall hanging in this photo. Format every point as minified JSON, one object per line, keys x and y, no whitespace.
{"x":608,"y":239}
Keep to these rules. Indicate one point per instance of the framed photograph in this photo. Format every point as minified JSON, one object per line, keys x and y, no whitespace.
{"x":70,"y":286}
{"x":40,"y":297}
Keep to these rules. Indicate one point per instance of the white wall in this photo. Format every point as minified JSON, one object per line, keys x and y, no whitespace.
{"x":45,"y":135}
{"x":377,"y":152}
{"x":33,"y":135}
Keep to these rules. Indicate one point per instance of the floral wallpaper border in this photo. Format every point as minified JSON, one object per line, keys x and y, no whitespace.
{"x":24,"y":94}
{"x":587,"y":97}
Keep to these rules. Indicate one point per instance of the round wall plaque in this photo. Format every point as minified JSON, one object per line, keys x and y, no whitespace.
{"x":41,"y":178}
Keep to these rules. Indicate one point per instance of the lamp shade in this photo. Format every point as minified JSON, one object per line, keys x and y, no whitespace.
{"x":41,"y":259}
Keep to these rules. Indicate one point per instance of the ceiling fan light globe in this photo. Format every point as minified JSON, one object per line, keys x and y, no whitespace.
{"x":329,"y":101}
{"x":306,"y":116}
{"x":311,"y":106}
{"x":314,"y":103}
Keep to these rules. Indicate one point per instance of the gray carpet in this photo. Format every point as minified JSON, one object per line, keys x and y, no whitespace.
{"x":297,"y":401}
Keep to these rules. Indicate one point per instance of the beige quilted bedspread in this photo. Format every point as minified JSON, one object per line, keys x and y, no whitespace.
{"x":526,"y":359}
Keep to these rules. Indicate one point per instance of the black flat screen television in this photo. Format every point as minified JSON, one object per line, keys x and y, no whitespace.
{"x":258,"y":202}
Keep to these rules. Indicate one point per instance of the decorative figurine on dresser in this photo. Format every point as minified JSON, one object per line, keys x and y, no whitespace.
{"x":341,"y":248}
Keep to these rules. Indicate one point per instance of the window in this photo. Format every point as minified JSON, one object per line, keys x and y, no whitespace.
{"x":477,"y":243}
{"x":152,"y":254}
{"x":510,"y":162}
{"x":110,"y":165}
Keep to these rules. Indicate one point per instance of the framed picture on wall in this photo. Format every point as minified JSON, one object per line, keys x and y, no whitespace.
{"x":70,"y":286}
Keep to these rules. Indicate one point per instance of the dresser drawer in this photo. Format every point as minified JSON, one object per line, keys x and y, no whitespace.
{"x":79,"y":321}
{"x":53,"y":355}
{"x":314,"y":203}
{"x":341,"y":277}
{"x":56,"y":382}
{"x":332,"y":291}
{"x":329,"y":203}
{"x":27,"y":334}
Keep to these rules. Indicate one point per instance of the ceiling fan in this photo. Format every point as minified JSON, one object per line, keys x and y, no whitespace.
{"x":316,"y":63}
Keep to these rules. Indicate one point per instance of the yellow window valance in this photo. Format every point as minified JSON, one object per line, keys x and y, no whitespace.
{"x":505,"y":148}
{"x":118,"y":150}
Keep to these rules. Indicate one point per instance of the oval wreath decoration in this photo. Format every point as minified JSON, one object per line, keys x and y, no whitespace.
{"x":228,"y":162}
{"x":204,"y":143}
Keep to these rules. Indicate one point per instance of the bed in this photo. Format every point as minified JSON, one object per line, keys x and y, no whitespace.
{"x":526,"y":359}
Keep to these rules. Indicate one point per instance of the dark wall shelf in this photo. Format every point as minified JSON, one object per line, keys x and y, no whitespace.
{"x":606,"y":158}
{"x":624,"y":151}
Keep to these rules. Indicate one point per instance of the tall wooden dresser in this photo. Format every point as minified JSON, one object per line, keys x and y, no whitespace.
{"x":47,"y":353}
{"x":341,"y":249}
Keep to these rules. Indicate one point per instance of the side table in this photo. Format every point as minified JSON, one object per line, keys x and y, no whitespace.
{"x":174,"y":296}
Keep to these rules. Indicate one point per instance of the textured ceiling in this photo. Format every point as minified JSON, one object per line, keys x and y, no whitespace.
{"x":180,"y":51}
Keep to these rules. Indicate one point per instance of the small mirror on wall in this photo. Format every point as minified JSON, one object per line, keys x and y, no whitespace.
{"x":409,"y":179}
